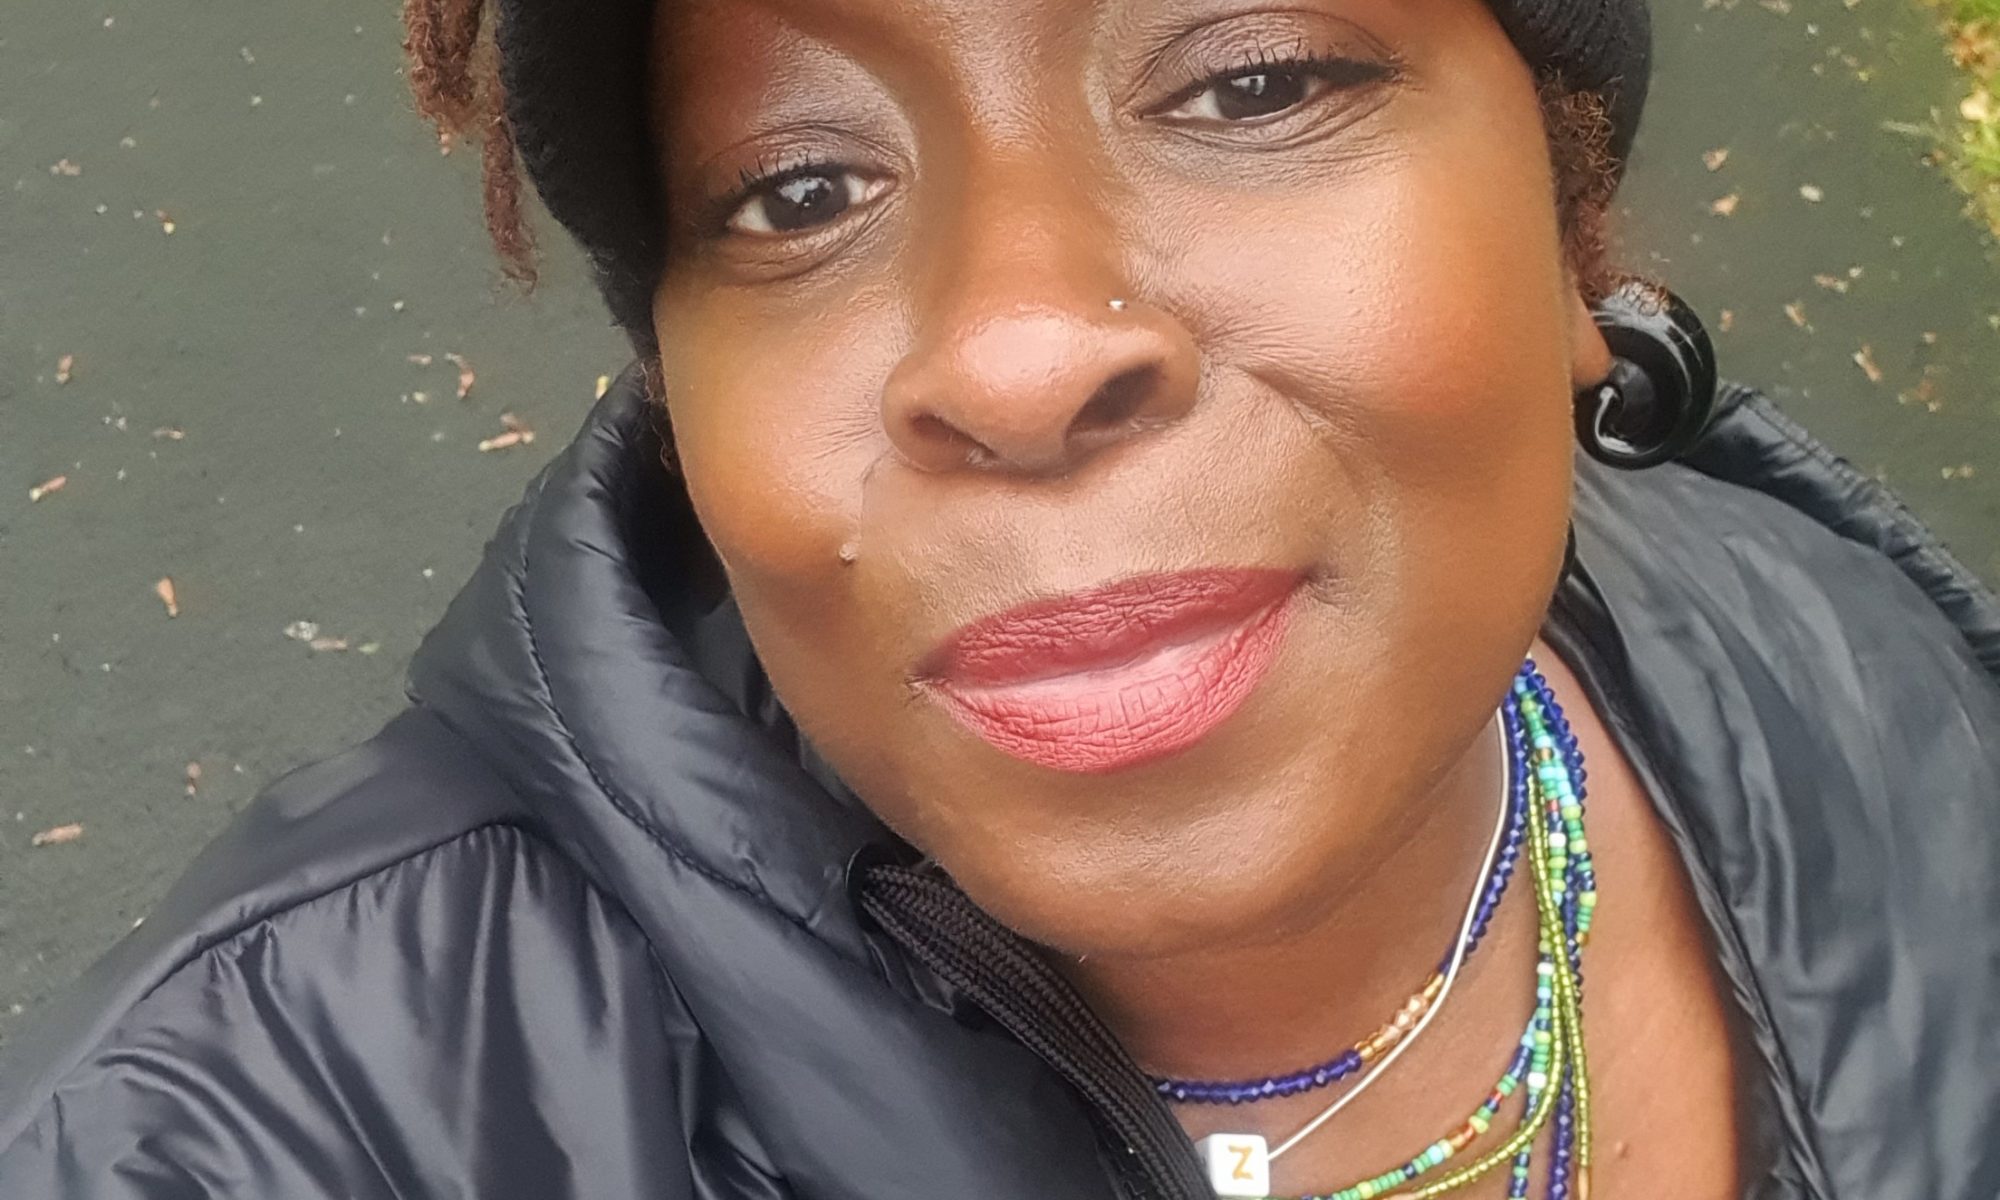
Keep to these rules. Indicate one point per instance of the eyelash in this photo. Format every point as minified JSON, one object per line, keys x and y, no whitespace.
{"x":1334,"y":70}
{"x":764,"y":176}
{"x":1331,"y":69}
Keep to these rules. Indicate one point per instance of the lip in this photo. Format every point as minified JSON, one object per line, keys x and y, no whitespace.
{"x":1115,"y":676}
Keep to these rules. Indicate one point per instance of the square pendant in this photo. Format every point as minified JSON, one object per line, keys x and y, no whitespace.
{"x":1239,"y":1164}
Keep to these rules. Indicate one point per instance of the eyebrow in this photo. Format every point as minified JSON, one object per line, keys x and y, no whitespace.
{"x":882,"y":19}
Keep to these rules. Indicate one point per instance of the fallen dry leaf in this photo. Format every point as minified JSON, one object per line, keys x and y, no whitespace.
{"x":50,"y":488}
{"x":56,"y":836}
{"x":166,"y":222}
{"x":1865,"y":359}
{"x":1726,"y":207}
{"x":465,"y":376}
{"x":517,"y":434}
{"x":1714,"y":159}
{"x":422,"y":360}
{"x":1797,"y":312}
{"x":165,"y":591}
{"x":1965,"y":472}
{"x":169,"y":433}
{"x":309,"y":633}
{"x":505,"y":441}
{"x":1812,"y":194}
{"x":66,"y":167}
{"x":64,"y":367}
{"x":193,"y":778}
{"x":1726,"y":321}
{"x":1975,"y":46}
{"x":1832,"y":283}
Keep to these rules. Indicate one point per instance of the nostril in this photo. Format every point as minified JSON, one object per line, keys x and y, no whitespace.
{"x":946,"y":443}
{"x":1118,"y":401}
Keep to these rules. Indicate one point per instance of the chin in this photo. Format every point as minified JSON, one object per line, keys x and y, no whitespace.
{"x":1163,"y":876}
{"x":1238,"y":837}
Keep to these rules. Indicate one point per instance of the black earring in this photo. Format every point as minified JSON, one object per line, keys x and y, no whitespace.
{"x":1660,"y":396}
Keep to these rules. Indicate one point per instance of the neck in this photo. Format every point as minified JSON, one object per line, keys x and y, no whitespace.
{"x":1247,"y":1011}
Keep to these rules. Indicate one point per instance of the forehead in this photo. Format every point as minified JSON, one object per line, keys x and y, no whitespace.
{"x":912,"y":24}
{"x":982,"y":32}
{"x":717,"y":61}
{"x":735,"y":64}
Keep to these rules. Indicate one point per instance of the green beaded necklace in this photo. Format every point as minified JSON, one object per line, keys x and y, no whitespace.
{"x":1550,"y":1062}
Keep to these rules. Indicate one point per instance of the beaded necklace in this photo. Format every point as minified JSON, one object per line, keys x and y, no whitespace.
{"x":1547,"y":795}
{"x":1500,"y":870}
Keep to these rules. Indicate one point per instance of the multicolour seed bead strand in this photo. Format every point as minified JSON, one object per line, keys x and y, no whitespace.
{"x":1559,"y":767}
{"x":1550,"y":1063}
{"x":1355,"y":1058}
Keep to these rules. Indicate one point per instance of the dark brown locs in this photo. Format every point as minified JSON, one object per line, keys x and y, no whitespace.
{"x":1586,"y":179}
{"x":455,"y":75}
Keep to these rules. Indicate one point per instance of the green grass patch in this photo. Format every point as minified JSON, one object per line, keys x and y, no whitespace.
{"x":1968,"y":147}
{"x":1968,"y":11}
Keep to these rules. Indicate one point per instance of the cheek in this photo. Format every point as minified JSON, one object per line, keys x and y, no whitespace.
{"x":776,"y":434}
{"x":1398,"y":305}
{"x":776,"y":439}
{"x":1419,"y":324}
{"x":1465,"y":367}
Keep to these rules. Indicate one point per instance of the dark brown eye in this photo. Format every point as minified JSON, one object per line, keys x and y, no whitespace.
{"x":802,"y":200}
{"x":1258,"y":94}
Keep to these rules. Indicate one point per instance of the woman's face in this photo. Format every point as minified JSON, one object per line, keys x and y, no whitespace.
{"x":1233,"y":338}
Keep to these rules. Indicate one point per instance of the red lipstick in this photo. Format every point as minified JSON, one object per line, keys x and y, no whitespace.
{"x":1118,"y":675}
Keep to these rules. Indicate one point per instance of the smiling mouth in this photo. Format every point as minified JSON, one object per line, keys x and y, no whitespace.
{"x":1117,"y":676}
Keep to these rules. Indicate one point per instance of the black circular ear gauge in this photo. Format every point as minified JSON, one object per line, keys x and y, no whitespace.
{"x":1660,"y":395}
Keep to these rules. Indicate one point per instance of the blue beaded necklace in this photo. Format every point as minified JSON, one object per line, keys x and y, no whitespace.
{"x":1545,"y":812}
{"x":1349,"y":1062}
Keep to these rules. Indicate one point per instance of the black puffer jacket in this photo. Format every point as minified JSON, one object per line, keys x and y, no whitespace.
{"x":585,"y":921}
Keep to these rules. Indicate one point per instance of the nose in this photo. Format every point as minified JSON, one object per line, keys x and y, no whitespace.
{"x":1033,"y":359}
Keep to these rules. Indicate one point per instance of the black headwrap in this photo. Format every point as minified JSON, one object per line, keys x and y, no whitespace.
{"x":575,"y":77}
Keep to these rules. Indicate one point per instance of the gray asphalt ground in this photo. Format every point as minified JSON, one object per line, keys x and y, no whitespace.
{"x":222,"y":216}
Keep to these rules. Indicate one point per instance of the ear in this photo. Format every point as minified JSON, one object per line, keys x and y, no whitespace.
{"x":1589,"y":356}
